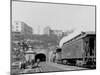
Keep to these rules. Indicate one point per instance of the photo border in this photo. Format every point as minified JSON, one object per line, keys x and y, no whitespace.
{"x":58,"y":4}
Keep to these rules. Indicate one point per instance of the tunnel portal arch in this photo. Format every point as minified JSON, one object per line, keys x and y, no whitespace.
{"x":40,"y":56}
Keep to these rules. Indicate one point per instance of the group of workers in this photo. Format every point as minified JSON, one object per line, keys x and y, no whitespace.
{"x":22,"y":47}
{"x":32,"y":65}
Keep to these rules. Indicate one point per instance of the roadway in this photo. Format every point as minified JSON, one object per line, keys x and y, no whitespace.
{"x":53,"y":67}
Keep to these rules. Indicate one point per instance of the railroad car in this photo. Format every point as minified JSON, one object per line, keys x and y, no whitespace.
{"x":79,"y":49}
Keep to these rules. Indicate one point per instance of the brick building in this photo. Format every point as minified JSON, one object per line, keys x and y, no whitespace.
{"x":21,"y":30}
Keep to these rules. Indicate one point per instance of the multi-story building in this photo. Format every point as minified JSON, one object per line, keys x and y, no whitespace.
{"x":57,"y":32}
{"x":47,"y":30}
{"x":21,"y":29}
{"x":66,"y":33}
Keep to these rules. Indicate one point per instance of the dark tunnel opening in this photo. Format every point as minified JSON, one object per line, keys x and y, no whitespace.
{"x":40,"y":56}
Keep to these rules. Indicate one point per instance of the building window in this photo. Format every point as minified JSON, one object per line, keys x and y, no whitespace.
{"x":16,"y":23}
{"x":16,"y":26}
{"x":16,"y":29}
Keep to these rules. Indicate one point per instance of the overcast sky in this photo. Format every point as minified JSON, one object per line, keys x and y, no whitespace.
{"x":57,"y":16}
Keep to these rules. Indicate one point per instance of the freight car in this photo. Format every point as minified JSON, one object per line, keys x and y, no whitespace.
{"x":79,"y":49}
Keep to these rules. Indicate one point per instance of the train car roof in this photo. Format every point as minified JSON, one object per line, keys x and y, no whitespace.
{"x":71,"y":36}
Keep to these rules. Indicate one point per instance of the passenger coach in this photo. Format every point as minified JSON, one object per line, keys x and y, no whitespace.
{"x":79,"y":49}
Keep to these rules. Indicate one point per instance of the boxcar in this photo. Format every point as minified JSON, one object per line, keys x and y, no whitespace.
{"x":80,"y":50}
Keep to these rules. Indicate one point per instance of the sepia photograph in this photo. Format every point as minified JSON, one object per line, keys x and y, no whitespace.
{"x":52,"y":37}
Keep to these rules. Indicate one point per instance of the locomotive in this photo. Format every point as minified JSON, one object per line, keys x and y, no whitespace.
{"x":79,"y":49}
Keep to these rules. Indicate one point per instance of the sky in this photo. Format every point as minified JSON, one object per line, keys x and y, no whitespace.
{"x":57,"y":16}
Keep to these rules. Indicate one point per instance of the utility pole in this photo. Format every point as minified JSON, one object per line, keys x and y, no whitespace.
{"x":38,"y":29}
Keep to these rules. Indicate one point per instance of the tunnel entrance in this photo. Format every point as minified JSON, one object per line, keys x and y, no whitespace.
{"x":40,"y":56}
